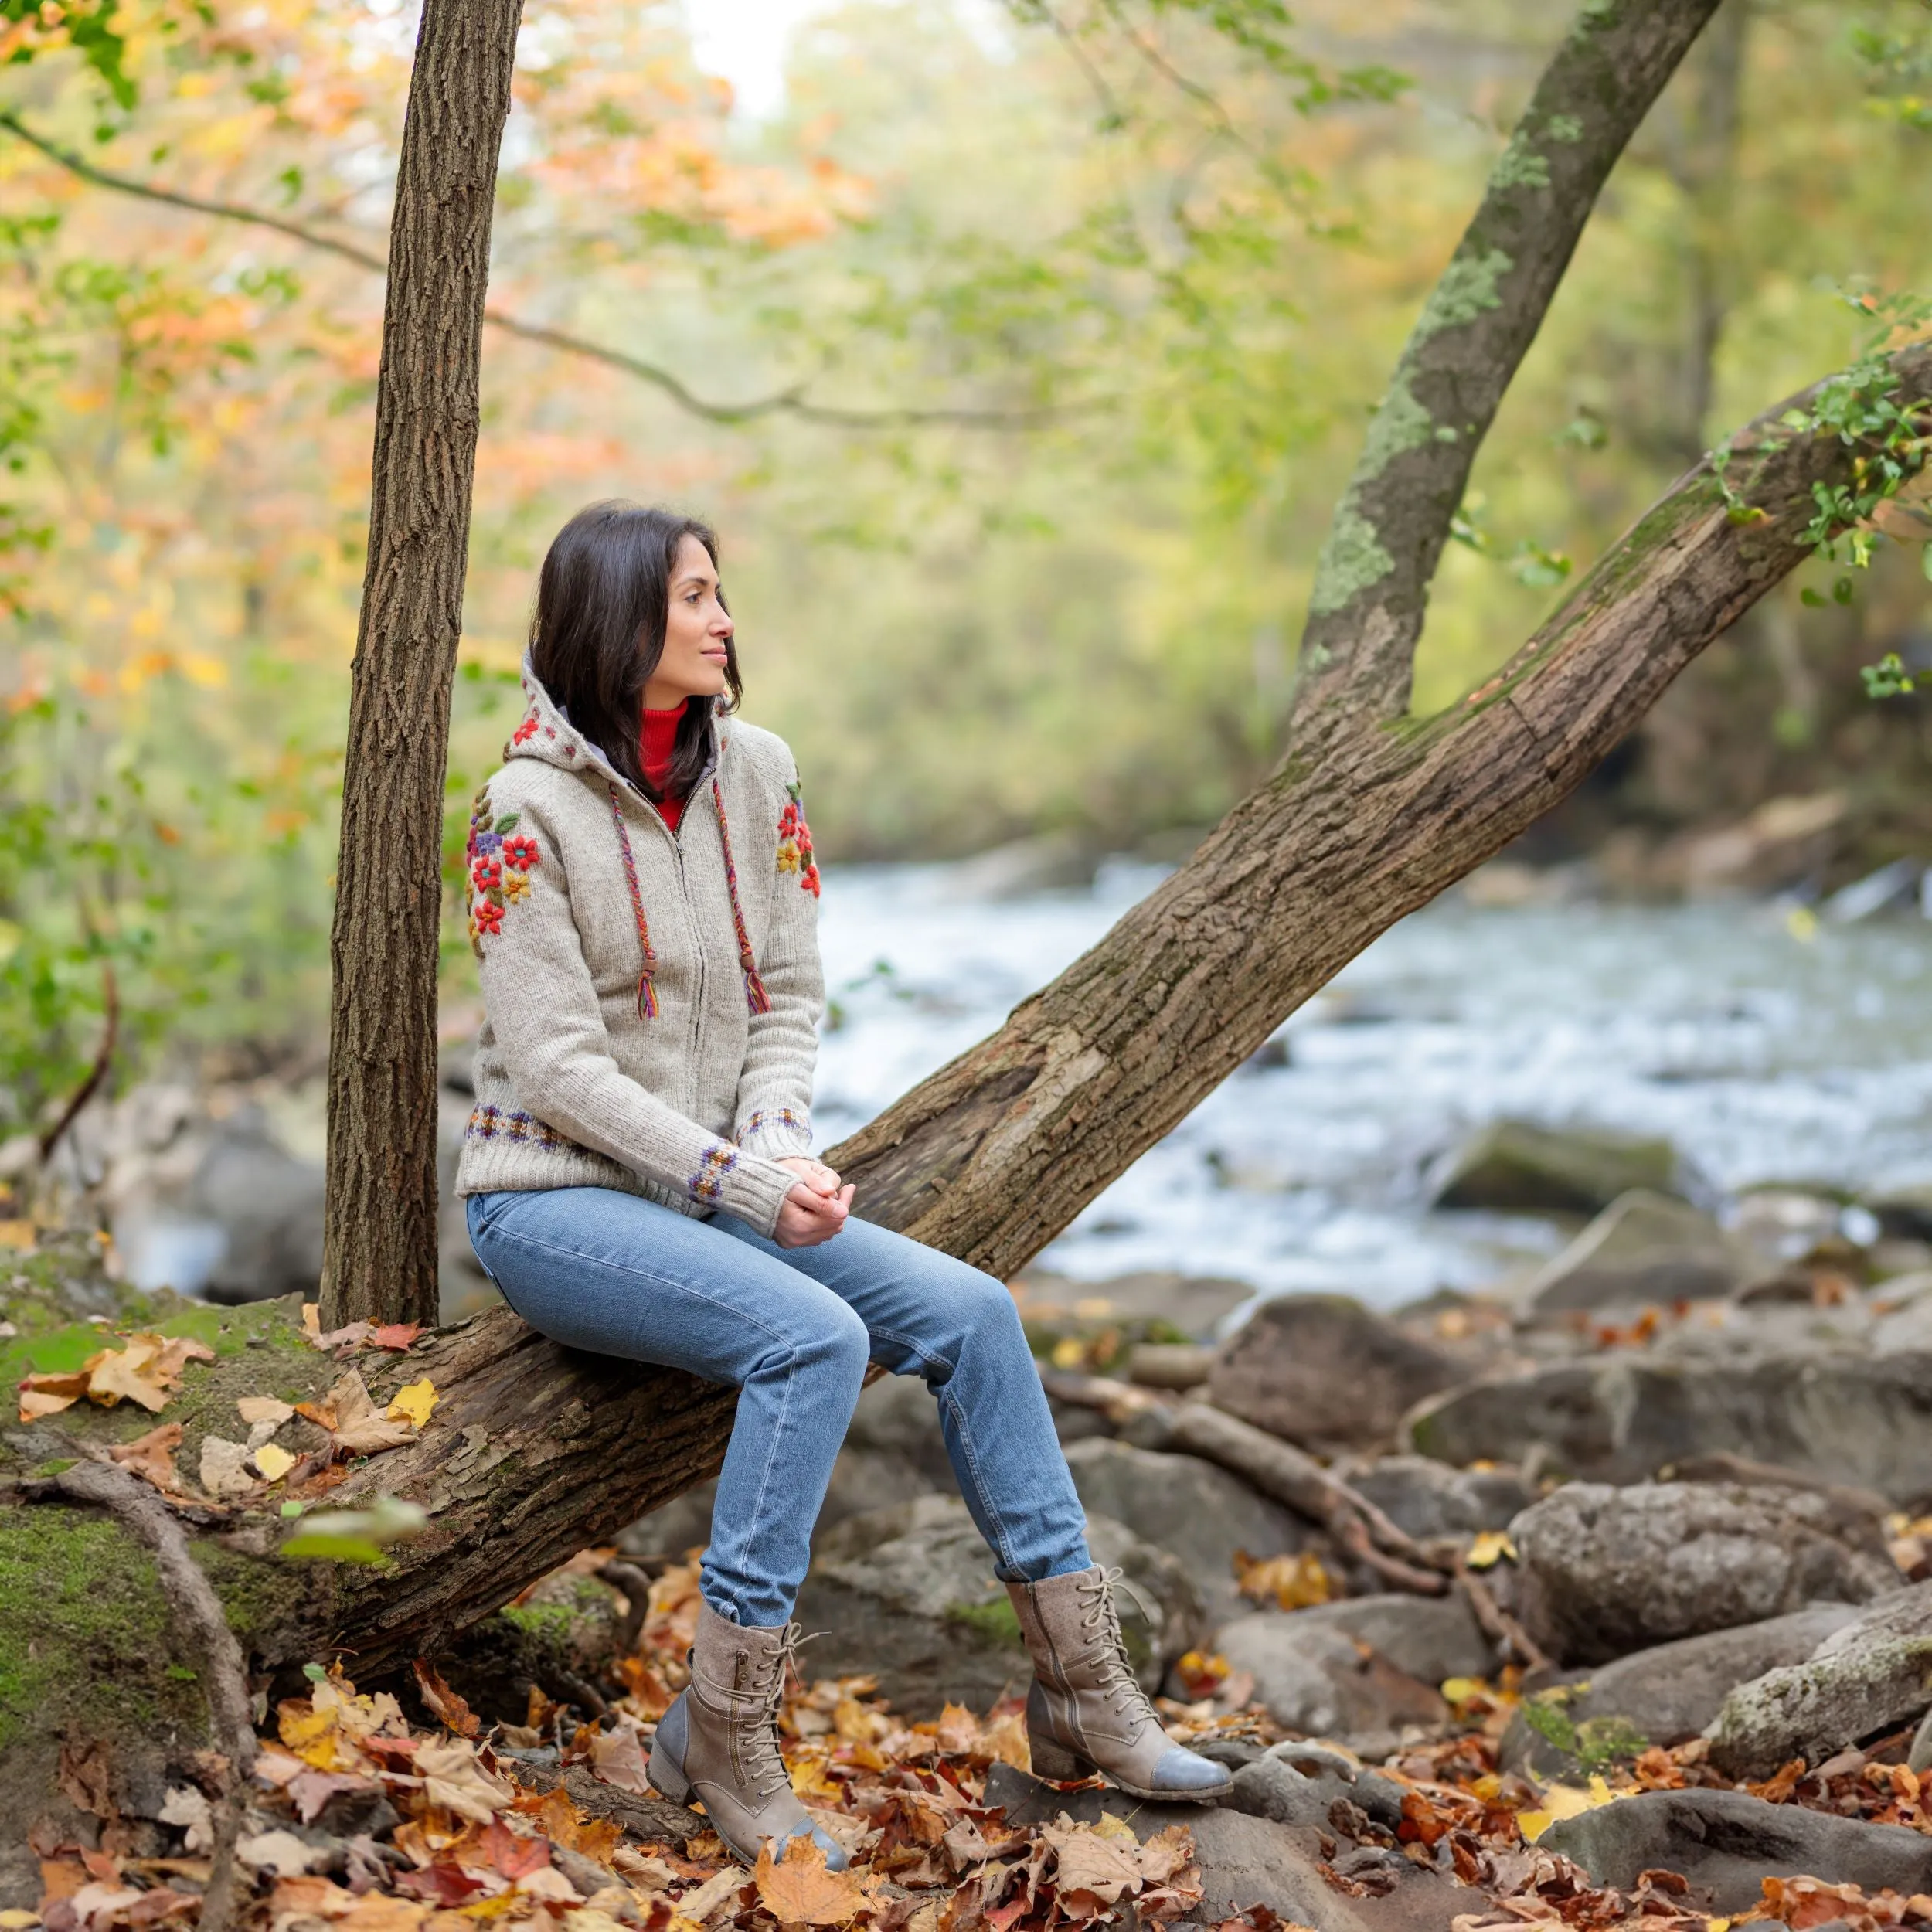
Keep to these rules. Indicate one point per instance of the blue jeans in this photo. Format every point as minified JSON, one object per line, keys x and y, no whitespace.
{"x":793,"y":1329}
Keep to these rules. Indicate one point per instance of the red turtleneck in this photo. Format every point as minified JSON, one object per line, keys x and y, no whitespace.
{"x":657,"y":741}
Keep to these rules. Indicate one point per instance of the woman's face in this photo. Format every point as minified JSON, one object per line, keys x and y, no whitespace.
{"x":696,"y":629}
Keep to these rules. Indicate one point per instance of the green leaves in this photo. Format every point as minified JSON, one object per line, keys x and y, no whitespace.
{"x":356,"y":1535}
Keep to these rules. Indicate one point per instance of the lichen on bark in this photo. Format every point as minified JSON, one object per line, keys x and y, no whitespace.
{"x":1353,"y":560}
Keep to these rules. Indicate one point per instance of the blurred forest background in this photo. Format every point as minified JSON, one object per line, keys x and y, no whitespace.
{"x":1019,"y":359}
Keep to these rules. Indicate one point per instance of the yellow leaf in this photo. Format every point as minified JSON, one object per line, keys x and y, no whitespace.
{"x":1489,"y":1549}
{"x":14,"y":1919}
{"x":1564,"y":1800}
{"x":255,"y":1409}
{"x":412,"y":1402}
{"x":273,"y":1461}
{"x":17,"y":1234}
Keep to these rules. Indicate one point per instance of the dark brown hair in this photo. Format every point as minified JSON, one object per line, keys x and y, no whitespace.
{"x":603,"y":599}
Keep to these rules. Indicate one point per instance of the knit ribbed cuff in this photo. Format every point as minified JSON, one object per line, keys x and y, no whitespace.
{"x":775,"y":1133}
{"x":753,"y":1190}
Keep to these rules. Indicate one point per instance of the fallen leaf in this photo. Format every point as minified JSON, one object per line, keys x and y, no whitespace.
{"x":273,"y":1461}
{"x":255,"y":1409}
{"x":152,"y":1457}
{"x":397,"y":1335}
{"x":18,"y":1235}
{"x":698,"y":1905}
{"x":1295,"y":1583}
{"x":444,"y":1705}
{"x":1087,"y":1860}
{"x":48,"y":1395}
{"x":547,"y":1883}
{"x":1490,"y":1548}
{"x":347,"y":1413}
{"x":281,"y":1852}
{"x":147,"y":1371}
{"x":799,"y":1890}
{"x":412,"y":1402}
{"x":310,"y":1791}
{"x":616,"y":1756}
{"x":453,"y":1778}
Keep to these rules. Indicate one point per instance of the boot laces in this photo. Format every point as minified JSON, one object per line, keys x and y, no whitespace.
{"x":754,"y":1711}
{"x":1106,"y":1651}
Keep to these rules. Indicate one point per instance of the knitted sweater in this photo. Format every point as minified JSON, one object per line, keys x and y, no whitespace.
{"x":651,"y":997}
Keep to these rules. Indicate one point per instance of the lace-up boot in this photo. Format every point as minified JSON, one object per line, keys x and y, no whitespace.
{"x":1086,"y":1712}
{"x":718,"y":1741}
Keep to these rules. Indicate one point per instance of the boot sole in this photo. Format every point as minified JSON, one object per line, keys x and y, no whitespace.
{"x":668,"y":1780}
{"x":1059,"y":1766}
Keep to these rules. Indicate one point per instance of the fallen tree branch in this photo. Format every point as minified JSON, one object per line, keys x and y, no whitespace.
{"x":203,"y":1627}
{"x":792,"y":401}
{"x":1276,"y":1468}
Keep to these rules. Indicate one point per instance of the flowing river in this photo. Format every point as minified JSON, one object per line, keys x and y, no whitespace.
{"x":1766,"y":1048}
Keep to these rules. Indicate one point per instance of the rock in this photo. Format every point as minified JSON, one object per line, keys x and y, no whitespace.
{"x":1784,"y":1223}
{"x":1847,"y":1418}
{"x":1867,"y":1676}
{"x":1298,"y":1785}
{"x":1179,"y":1366}
{"x":1201,"y":1513}
{"x":1905,"y":1214}
{"x":1245,"y":1860}
{"x":1429,"y":1499}
{"x":1190,"y":1305}
{"x":898,"y":1415}
{"x":1044,"y":862}
{"x":1603,"y":1572}
{"x":1895,"y":887}
{"x":1321,"y":1369}
{"x":681,"y":1525}
{"x":1783,"y":842}
{"x":1429,"y":1638}
{"x":1644,"y":1247}
{"x":1316,"y":1678}
{"x":1668,"y":1694}
{"x":1726,"y":1843}
{"x":1906,"y":1326}
{"x":1513,"y":1166}
{"x":908,"y":1594}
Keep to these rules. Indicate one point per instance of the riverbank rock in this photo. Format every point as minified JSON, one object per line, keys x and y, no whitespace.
{"x":1514,"y":1167}
{"x":1645,"y":1247}
{"x":1668,"y":1694}
{"x":1603,"y":1572}
{"x":1726,"y":1843}
{"x":1429,"y":1499}
{"x":1298,"y":1784}
{"x":907,"y":1595}
{"x":1315,"y":1676}
{"x":1247,"y":1860}
{"x":1154,"y":1305}
{"x":1201,"y":1513}
{"x":1321,"y":1369}
{"x":1867,"y":1676}
{"x":1845,"y":1417}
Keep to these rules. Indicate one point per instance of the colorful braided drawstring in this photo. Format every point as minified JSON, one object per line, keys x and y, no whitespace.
{"x":755,"y":997}
{"x":647,"y":992}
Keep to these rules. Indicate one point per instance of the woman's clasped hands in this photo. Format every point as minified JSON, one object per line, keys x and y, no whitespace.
{"x":816,"y":1207}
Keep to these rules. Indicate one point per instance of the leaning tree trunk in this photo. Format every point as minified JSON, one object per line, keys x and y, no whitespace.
{"x":380,"y":1242}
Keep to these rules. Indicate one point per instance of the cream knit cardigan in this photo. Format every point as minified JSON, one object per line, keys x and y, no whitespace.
{"x":625,"y":968}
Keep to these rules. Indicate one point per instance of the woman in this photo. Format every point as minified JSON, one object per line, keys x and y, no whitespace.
{"x":640,"y":1180}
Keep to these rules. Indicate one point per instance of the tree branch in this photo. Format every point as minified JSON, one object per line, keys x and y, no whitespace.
{"x":1371,"y":587}
{"x":994,"y":1154}
{"x":791,"y":401}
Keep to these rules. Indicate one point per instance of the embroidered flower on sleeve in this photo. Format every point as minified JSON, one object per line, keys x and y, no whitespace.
{"x":496,"y":868}
{"x":526,"y":730}
{"x":794,"y":841}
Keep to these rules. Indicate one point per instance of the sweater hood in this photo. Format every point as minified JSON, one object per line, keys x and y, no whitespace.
{"x":545,"y":733}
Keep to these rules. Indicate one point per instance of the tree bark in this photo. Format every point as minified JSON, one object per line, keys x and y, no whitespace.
{"x":998,"y":1152}
{"x":1371,"y":587}
{"x":380,"y":1241}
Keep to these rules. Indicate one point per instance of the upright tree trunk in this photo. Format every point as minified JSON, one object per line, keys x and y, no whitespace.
{"x":379,"y":1251}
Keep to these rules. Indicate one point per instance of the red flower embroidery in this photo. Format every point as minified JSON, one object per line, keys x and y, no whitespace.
{"x":487,"y":872}
{"x":794,"y":842}
{"x":520,"y":852}
{"x":525,"y":731}
{"x":486,"y":916}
